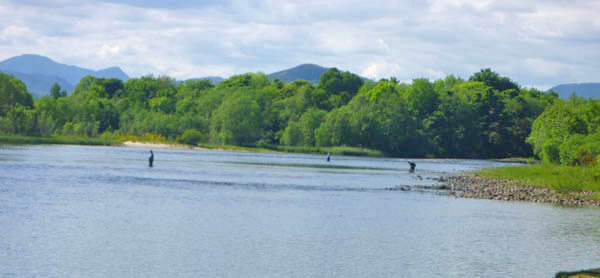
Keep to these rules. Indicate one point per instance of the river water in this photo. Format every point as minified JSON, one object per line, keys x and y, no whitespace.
{"x":80,"y":211}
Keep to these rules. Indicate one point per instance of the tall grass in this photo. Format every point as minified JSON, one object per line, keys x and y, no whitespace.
{"x":70,"y":140}
{"x":563,"y":179}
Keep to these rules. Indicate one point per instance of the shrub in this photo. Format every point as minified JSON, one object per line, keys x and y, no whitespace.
{"x":551,"y":151}
{"x":571,"y":148}
{"x":191,"y":137}
{"x":292,"y":136}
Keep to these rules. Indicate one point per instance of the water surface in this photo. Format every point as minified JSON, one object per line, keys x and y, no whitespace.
{"x":78,"y":211}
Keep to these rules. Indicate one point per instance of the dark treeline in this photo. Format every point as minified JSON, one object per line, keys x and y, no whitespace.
{"x":483,"y":117}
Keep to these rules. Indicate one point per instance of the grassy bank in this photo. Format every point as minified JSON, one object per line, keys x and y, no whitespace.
{"x":562,"y":179}
{"x":116,"y":140}
{"x":66,"y":140}
{"x":579,"y":274}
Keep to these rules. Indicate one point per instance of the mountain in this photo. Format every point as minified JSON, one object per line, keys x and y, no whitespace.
{"x":39,"y":84}
{"x":586,"y":90}
{"x":309,"y":72}
{"x":39,"y":73}
{"x":213,"y":79}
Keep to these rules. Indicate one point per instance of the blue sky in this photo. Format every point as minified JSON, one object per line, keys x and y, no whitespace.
{"x":537,"y":43}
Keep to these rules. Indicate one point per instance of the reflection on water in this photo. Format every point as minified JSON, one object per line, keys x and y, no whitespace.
{"x":101,"y":212}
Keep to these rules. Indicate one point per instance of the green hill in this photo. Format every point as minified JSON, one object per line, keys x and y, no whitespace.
{"x":586,"y":90}
{"x":309,"y":72}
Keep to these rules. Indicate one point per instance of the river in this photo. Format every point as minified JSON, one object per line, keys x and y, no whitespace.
{"x":82,"y":211}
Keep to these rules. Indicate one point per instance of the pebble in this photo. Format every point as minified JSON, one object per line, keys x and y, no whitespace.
{"x":473,"y":186}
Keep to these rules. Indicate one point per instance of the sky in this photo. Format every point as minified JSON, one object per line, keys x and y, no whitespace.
{"x":537,"y":43}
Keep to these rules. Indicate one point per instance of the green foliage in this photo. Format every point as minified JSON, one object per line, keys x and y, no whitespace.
{"x":236,"y":121}
{"x":487,"y":116}
{"x":309,"y":122}
{"x":571,"y":124}
{"x":71,"y":140}
{"x":421,"y":97}
{"x":336,"y":89}
{"x":570,"y":148}
{"x":558,"y":121}
{"x":551,"y":151}
{"x":55,"y":91}
{"x":292,"y":135}
{"x":13,"y":92}
{"x":494,"y":80}
{"x":563,"y":179}
{"x":191,"y":137}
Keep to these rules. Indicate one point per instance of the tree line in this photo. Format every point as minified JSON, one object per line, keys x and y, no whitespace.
{"x":485,"y":116}
{"x":567,"y":132}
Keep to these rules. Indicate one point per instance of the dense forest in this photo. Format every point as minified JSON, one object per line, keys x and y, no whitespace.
{"x":486,"y":116}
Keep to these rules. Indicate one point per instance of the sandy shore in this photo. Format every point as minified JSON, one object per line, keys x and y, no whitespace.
{"x":164,"y":146}
{"x":156,"y":145}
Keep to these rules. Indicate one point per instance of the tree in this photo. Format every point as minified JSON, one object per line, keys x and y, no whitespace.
{"x":236,"y":121}
{"x":191,"y":137}
{"x":13,"y":92}
{"x":309,"y":122}
{"x":421,"y":97}
{"x":338,"y":88}
{"x":55,"y":91}
{"x":292,"y":135}
{"x":494,"y":80}
{"x":556,"y":123}
{"x":20,"y":120}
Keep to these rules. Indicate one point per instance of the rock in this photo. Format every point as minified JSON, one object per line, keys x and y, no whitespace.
{"x":472,"y":186}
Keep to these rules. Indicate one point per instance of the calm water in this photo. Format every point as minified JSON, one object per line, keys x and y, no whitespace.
{"x":75,"y":211}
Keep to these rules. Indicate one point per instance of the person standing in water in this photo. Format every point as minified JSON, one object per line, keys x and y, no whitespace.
{"x":151,"y":159}
{"x":328,"y":157}
{"x":412,"y":166}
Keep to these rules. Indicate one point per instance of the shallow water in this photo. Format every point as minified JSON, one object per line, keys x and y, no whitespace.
{"x":78,"y":211}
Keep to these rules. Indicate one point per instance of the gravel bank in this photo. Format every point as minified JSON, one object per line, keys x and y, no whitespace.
{"x":472,"y":186}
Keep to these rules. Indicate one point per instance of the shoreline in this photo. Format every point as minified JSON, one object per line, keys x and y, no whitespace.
{"x":472,"y":186}
{"x":136,"y":144}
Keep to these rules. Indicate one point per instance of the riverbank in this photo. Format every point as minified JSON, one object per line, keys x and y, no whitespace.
{"x":59,"y":140}
{"x":590,"y":273}
{"x":148,"y":142}
{"x":471,"y":185}
{"x":153,"y":145}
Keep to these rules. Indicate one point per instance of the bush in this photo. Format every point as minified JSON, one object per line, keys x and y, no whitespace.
{"x":581,"y":150}
{"x":571,"y":148}
{"x":191,"y":137}
{"x":551,"y":151}
{"x":292,"y":136}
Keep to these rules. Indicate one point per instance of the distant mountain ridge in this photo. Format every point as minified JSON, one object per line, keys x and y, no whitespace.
{"x":39,"y":84}
{"x":309,"y":72}
{"x":586,"y":90}
{"x":39,"y":73}
{"x":213,"y":79}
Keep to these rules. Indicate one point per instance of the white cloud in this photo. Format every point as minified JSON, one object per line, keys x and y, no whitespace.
{"x":108,"y":50}
{"x":13,"y":31}
{"x":542,"y":67}
{"x":532,"y":42}
{"x":382,"y":69}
